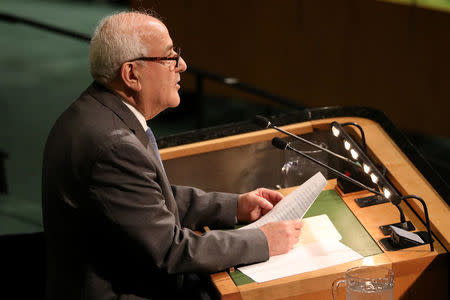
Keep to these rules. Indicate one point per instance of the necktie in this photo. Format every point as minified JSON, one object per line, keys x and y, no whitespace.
{"x":152,"y":139}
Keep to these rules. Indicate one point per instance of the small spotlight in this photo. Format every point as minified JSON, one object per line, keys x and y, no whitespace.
{"x":354,"y":154}
{"x":336,"y":131}
{"x":374,"y":178}
{"x":346,"y":145}
{"x":366,"y":168}
{"x":386,"y":193}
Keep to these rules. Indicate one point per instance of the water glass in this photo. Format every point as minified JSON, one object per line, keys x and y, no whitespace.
{"x":367,"y":283}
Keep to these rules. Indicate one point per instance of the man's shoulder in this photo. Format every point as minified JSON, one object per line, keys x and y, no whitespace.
{"x":90,"y":103}
{"x":85,"y":114}
{"x":90,"y":121}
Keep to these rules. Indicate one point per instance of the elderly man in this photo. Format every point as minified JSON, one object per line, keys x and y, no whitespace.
{"x":115,"y":227}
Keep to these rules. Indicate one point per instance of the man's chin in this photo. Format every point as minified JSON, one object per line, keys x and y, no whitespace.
{"x":175,"y":102}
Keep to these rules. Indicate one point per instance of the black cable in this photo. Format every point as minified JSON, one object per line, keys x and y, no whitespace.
{"x":402,"y":214}
{"x":363,"y":136}
{"x":427,"y":219}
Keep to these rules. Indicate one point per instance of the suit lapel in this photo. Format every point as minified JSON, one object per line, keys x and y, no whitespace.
{"x":114,"y":103}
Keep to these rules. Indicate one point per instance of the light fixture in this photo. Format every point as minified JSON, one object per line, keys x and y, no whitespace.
{"x":346,"y":145}
{"x":336,"y":131}
{"x":354,"y":154}
{"x":383,"y":189}
{"x":374,"y":178}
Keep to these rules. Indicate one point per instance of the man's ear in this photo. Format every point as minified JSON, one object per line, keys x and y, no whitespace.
{"x":130,"y":76}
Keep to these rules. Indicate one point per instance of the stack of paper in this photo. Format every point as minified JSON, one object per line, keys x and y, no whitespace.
{"x":318,"y":248}
{"x":294,"y":205}
{"x":319,"y":245}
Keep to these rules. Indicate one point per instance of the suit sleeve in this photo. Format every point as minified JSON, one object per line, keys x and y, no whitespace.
{"x":197,"y":208}
{"x":126,"y":195}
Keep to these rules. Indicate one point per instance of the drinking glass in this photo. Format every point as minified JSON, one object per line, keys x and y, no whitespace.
{"x":367,"y":283}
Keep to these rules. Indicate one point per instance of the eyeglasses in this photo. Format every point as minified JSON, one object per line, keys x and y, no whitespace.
{"x":175,"y":58}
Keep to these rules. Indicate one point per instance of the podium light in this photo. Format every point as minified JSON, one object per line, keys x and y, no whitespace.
{"x":366,"y":168}
{"x":354,"y":154}
{"x":378,"y":178}
{"x":346,"y":145}
{"x":374,"y":178}
{"x":336,"y":131}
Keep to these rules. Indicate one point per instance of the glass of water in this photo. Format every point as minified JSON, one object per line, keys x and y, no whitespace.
{"x":366,"y":283}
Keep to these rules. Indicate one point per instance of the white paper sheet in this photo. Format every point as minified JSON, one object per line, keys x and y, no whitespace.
{"x":319,"y":245}
{"x":407,"y":234}
{"x":318,"y":228}
{"x":294,"y":205}
{"x":309,"y":257}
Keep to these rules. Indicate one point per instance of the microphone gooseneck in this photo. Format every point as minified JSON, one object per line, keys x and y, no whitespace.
{"x":265,"y":123}
{"x":281,"y":144}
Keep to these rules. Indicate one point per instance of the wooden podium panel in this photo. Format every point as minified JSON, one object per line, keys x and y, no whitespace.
{"x":419,"y":273}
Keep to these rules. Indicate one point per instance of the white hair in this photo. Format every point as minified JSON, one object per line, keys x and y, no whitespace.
{"x":116,"y":40}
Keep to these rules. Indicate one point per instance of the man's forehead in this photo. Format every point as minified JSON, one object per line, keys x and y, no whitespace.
{"x":155,"y":25}
{"x":156,"y":33}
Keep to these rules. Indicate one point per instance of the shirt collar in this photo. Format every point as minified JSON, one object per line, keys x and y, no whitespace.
{"x":138,"y":115}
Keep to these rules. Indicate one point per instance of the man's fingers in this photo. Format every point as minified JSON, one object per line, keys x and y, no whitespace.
{"x":282,"y":236}
{"x":298,"y":224}
{"x":264,"y":204}
{"x":271,"y":195}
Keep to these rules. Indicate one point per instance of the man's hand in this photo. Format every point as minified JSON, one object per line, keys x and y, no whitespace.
{"x":282,"y":236}
{"x":253,"y":205}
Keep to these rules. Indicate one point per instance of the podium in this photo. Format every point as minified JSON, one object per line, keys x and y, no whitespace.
{"x":238,"y":158}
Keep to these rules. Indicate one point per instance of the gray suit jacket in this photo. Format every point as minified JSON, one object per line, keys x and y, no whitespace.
{"x":115,"y":227}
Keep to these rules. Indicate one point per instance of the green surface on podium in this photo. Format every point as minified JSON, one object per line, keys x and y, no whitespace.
{"x":354,"y":235}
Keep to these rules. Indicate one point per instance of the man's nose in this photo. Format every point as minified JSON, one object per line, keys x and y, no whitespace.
{"x":182,"y":65}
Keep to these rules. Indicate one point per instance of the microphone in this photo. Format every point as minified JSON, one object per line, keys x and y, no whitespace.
{"x":262,"y":121}
{"x":279,"y":143}
{"x":265,"y":123}
{"x":283,"y":145}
